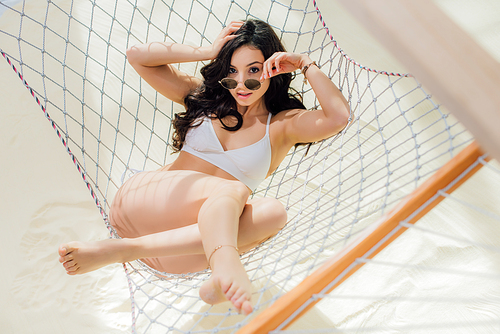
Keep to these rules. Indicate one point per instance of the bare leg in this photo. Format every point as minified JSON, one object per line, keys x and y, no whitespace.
{"x":218,"y":224}
{"x":179,"y":250}
{"x":157,"y":201}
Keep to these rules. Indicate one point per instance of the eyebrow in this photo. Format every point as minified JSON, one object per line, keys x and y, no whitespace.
{"x":255,"y":62}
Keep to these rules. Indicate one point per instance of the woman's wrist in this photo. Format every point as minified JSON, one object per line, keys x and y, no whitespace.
{"x":308,"y":64}
{"x":209,"y":52}
{"x":305,"y":61}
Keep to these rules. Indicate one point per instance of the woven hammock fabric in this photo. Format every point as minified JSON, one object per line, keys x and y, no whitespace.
{"x":71,"y":56}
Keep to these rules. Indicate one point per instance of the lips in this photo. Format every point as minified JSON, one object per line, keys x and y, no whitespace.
{"x":244,"y":95}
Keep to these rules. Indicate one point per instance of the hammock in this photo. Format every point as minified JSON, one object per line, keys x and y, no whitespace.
{"x":112,"y":124}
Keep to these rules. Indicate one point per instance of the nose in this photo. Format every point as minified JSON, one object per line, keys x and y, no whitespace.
{"x":240,"y":79}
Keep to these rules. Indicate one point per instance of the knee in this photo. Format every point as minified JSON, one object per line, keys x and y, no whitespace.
{"x":235,"y":188}
{"x":275,"y":213}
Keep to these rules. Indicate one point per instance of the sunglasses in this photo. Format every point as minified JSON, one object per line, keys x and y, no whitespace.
{"x":228,"y":83}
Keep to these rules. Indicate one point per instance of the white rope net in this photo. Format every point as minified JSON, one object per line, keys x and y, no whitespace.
{"x":72,"y":53}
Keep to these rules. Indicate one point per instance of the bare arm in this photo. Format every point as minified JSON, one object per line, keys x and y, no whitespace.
{"x":153,"y":62}
{"x":304,"y":126}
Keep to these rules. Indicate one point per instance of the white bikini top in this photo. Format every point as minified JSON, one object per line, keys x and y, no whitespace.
{"x":249,"y":164}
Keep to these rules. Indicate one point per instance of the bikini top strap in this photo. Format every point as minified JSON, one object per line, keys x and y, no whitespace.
{"x":268,"y":122}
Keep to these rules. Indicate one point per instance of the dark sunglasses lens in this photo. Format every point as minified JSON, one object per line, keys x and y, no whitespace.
{"x":229,"y":83}
{"x":252,"y":84}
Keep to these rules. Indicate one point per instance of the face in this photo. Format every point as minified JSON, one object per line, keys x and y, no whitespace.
{"x":246,"y":63}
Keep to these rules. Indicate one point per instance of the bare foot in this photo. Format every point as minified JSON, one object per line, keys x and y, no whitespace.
{"x":82,"y":257}
{"x":229,"y":282}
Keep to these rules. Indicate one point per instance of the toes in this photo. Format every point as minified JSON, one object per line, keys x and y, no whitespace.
{"x":236,"y":300}
{"x":71,"y":273}
{"x":63,"y":250}
{"x":239,"y":299}
{"x":72,"y":268}
{"x":230,"y":293}
{"x":246,"y":308}
{"x":65,"y":253}
{"x":69,"y":264}
{"x":217,"y":290}
{"x":66,"y":258}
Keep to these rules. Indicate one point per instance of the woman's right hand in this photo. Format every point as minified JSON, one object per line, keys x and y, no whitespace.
{"x":225,"y":36}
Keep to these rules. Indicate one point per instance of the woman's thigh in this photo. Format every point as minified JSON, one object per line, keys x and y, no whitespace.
{"x":152,"y":202}
{"x":261,"y":219}
{"x":157,"y":201}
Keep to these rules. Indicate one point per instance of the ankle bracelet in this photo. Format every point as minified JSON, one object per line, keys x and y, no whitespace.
{"x":219,"y":247}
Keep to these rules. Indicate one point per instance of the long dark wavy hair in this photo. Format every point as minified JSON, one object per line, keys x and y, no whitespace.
{"x":212,"y":100}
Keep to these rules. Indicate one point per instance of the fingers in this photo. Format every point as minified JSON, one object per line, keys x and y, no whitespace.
{"x":281,"y":62}
{"x":276,"y":64}
{"x":231,"y":28}
{"x":236,"y":23}
{"x":225,"y":36}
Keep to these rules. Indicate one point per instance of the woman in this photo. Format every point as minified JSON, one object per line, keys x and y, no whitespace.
{"x":239,"y":124}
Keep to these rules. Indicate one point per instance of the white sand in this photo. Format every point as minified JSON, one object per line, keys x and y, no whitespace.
{"x":44,"y":203}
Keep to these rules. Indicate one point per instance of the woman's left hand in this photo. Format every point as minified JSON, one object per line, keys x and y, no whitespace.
{"x":283,"y":62}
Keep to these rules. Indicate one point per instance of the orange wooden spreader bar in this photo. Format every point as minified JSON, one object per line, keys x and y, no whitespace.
{"x":281,"y":310}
